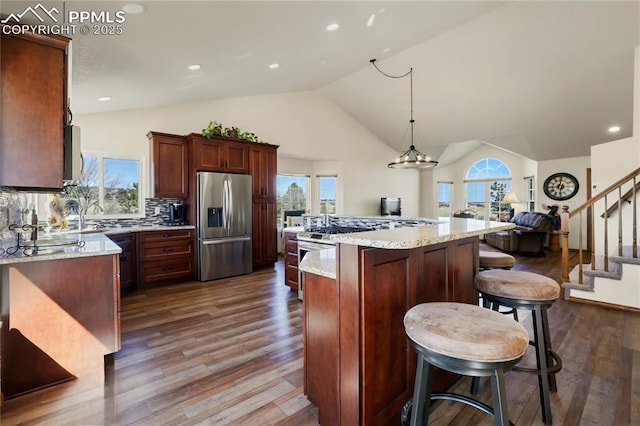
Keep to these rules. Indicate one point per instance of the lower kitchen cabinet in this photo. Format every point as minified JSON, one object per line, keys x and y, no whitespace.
{"x":128,"y":264}
{"x":265,"y":233}
{"x":165,"y":256}
{"x":291,"y":259}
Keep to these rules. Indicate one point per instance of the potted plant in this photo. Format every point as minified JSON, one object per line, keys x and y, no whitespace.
{"x":213,"y":129}
{"x":232,"y":132}
{"x":248,"y":136}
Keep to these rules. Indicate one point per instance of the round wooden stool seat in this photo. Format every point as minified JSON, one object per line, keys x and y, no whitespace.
{"x":534,"y":292}
{"x":464,"y":331}
{"x":517,"y":285}
{"x":464,"y":339}
{"x":496,"y":259}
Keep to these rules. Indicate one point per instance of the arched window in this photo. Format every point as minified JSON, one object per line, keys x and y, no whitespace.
{"x":486,"y":183}
{"x":488,"y":168}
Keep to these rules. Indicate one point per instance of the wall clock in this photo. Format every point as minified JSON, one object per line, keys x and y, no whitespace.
{"x":560,"y":186}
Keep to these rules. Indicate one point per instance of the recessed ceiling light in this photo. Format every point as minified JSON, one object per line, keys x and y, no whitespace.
{"x":333,"y":27}
{"x":274,"y":66}
{"x":104,"y":98}
{"x":614,"y":129}
{"x":371,"y":19}
{"x":134,"y":8}
{"x":194,"y":67}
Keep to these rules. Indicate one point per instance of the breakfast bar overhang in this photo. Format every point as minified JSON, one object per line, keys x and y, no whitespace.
{"x":359,"y":367}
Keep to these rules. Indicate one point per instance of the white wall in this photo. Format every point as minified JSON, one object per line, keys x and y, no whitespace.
{"x":606,"y":172}
{"x":305,"y":125}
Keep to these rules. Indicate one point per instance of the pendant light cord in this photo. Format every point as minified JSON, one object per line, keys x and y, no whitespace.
{"x":410,"y":74}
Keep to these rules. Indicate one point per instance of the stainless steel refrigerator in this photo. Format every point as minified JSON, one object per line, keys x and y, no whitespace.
{"x":224,"y":225}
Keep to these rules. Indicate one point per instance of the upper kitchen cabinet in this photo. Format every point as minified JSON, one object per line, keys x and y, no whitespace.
{"x":33,"y":74}
{"x":219,"y":154}
{"x":169,"y":175}
{"x":263,"y":168}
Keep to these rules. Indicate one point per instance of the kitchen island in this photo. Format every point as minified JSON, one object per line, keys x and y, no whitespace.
{"x":60,"y":312}
{"x":359,"y":367}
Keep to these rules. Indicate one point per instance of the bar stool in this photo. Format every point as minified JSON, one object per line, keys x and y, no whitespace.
{"x":498,"y":260}
{"x":464,"y":339}
{"x":534,"y":292}
{"x":495,"y":260}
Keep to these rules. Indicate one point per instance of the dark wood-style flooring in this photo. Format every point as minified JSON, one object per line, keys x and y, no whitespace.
{"x":230,"y":352}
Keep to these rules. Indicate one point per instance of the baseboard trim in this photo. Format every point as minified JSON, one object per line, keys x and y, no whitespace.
{"x":604,"y":304}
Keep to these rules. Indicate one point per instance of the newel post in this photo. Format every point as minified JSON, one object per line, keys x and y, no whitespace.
{"x":564,"y":242}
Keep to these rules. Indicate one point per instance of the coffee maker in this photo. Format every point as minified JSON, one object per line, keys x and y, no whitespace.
{"x":177,"y":214}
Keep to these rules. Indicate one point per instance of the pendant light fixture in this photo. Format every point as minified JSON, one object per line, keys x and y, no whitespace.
{"x":412,"y":158}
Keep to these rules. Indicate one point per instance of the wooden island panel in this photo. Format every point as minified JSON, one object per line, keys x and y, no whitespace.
{"x":359,"y":365}
{"x":59,"y":319}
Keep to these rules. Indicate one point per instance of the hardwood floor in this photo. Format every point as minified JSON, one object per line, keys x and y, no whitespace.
{"x":230,"y":352}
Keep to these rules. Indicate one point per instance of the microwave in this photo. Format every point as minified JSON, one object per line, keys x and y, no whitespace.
{"x":73,"y":161}
{"x":389,"y":206}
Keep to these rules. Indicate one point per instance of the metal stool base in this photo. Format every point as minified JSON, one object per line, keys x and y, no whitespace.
{"x":548,"y":362}
{"x":422,"y":395}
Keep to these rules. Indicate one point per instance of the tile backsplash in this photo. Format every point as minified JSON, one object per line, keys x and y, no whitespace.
{"x":16,"y":207}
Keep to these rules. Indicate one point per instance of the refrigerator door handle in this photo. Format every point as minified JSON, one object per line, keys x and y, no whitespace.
{"x":225,"y":240}
{"x":225,"y":204}
{"x":230,"y":200}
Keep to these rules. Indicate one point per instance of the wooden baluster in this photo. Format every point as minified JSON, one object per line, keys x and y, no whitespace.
{"x":580,"y":262}
{"x":564,"y":240}
{"x":606,"y":236}
{"x":634,"y":245}
{"x":620,"y":220}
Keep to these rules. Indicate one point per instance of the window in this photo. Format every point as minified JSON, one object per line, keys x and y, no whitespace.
{"x":530,"y":193}
{"x":327,"y":194}
{"x":444,"y":198}
{"x":292,"y":193}
{"x":487,"y":182}
{"x":108,"y":187}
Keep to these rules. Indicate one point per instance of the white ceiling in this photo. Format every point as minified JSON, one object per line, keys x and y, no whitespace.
{"x":542,"y":79}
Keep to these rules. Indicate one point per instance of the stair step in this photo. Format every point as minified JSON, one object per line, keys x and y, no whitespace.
{"x":588,"y":274}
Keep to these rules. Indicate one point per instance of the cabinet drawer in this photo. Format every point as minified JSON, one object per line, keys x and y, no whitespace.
{"x":291,"y":277}
{"x":291,"y":237}
{"x":151,"y":236}
{"x":165,"y":270}
{"x":291,"y":259}
{"x":165,"y":250}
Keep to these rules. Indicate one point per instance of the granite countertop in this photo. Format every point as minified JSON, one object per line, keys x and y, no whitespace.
{"x":65,"y":246}
{"x":293,"y":229}
{"x":320,"y":262}
{"x":141,"y":228}
{"x":447,"y":229}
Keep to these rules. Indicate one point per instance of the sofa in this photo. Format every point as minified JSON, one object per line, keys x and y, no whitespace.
{"x":528,"y":237}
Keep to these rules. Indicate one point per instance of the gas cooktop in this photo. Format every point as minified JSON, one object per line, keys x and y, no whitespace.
{"x":337,"y":229}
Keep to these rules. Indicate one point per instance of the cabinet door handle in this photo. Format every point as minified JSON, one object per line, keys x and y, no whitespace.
{"x":167,"y":250}
{"x":166,"y":235}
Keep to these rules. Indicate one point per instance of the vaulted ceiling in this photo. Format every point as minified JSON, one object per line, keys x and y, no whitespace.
{"x":541,"y":79}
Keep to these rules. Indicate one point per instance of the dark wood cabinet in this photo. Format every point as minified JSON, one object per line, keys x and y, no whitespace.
{"x":367,"y":363}
{"x":263,"y":167}
{"x":218,"y":154}
{"x":165,"y":256}
{"x":170,"y":165}
{"x":33,"y":74}
{"x":291,"y":259}
{"x":128,"y":263}
{"x":59,"y":320}
{"x":265,"y":233}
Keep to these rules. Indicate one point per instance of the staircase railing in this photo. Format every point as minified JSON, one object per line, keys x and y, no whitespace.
{"x":614,"y":189}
